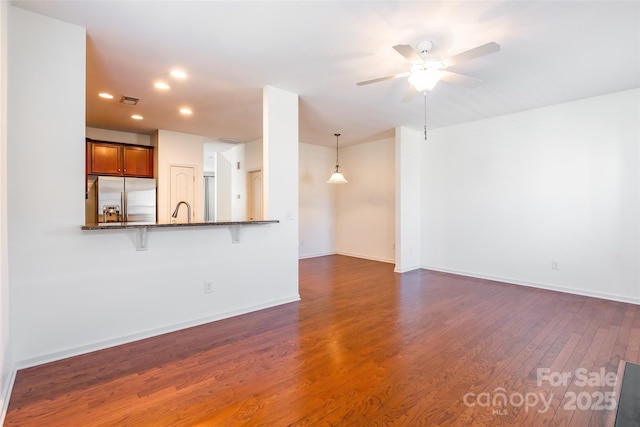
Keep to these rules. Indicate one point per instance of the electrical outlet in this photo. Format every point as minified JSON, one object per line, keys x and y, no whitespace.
{"x":208,"y":287}
{"x":555,"y":265}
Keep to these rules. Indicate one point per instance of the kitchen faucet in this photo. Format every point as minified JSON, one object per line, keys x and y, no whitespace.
{"x":175,"y":213}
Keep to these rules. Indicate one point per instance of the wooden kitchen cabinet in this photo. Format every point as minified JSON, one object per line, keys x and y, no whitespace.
{"x":137,"y":161}
{"x":110,"y":158}
{"x":104,"y":158}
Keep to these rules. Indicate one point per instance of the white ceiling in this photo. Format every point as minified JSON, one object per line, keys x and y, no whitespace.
{"x":552,"y":52}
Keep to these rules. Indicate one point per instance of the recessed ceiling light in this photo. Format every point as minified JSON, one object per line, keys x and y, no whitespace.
{"x":161,"y":85}
{"x":186,"y":111}
{"x":136,"y":117}
{"x":105,"y":95}
{"x":179,"y":74}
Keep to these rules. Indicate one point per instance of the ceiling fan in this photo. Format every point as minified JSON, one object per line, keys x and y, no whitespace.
{"x":427,"y":69}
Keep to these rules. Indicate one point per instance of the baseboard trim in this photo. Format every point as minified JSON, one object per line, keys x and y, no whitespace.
{"x":370,"y":258}
{"x":315,"y":255}
{"x":406,"y":269}
{"x":101,"y":345}
{"x":6,"y":394}
{"x":582,"y":292}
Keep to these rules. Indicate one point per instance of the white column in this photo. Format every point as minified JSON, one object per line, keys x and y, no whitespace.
{"x":280,"y":159}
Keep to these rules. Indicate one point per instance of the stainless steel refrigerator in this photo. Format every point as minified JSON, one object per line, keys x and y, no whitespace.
{"x":130,"y":200}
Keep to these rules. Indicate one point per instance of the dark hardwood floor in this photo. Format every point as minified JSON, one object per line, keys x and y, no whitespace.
{"x":364,"y":347}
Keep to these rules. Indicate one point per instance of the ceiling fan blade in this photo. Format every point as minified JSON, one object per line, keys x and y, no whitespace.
{"x":381,"y":79}
{"x":408,"y":52}
{"x":474,"y":53}
{"x":467,"y":81}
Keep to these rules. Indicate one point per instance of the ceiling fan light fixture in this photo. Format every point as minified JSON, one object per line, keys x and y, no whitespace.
{"x":425,"y":78}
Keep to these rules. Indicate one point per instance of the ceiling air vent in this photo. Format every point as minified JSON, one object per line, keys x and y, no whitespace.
{"x":129,"y":100}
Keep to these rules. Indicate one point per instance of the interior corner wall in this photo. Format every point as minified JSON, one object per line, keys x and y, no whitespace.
{"x":511,"y":197}
{"x":365,"y":220}
{"x":317,"y":201}
{"x":407,"y":192}
{"x":75,"y":301}
{"x":253,"y":155}
{"x":6,"y":360}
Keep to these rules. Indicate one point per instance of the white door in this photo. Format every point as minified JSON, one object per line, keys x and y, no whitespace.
{"x":182,"y":189}
{"x":254,"y":195}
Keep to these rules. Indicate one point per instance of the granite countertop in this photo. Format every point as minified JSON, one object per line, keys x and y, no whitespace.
{"x":120,"y":225}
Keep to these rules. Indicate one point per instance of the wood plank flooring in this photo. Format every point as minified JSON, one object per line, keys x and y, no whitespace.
{"x":364,"y":347}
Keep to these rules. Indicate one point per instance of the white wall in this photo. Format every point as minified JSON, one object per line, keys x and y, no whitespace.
{"x":317,"y":201}
{"x":117,"y":136}
{"x":252,"y":155}
{"x":211,"y":150}
{"x":408,"y":200}
{"x":6,"y":361}
{"x":75,"y":291}
{"x":506,"y":196}
{"x":365,"y":224}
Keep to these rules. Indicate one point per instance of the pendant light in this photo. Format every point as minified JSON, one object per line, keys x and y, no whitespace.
{"x":337,"y":177}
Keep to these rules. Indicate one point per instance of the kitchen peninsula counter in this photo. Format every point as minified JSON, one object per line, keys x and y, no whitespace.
{"x":141,"y":229}
{"x":121,"y":225}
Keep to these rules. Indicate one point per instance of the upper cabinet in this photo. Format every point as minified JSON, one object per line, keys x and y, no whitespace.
{"x":137,"y":161}
{"x":110,"y":158}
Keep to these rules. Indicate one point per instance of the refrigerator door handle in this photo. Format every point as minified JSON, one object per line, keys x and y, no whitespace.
{"x":123,"y":197}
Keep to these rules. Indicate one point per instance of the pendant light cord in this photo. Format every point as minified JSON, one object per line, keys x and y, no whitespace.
{"x":337,"y":163}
